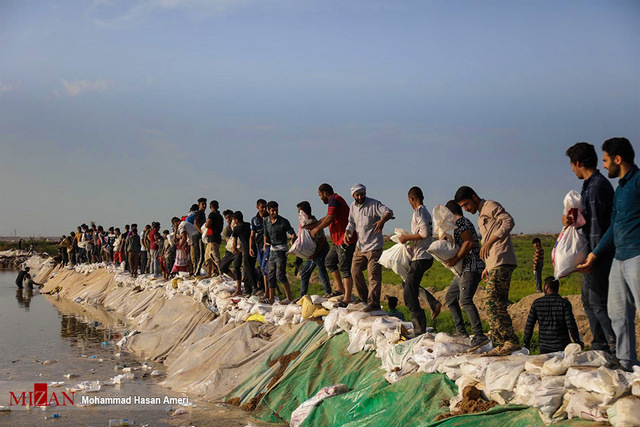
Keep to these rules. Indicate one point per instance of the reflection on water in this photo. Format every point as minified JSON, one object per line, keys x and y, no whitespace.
{"x":23,"y":296}
{"x":87,"y":332}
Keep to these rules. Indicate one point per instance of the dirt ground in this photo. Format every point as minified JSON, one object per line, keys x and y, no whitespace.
{"x":519,"y":311}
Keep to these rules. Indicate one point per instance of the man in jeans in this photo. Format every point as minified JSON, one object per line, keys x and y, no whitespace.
{"x":256,"y":245}
{"x":367,"y":217}
{"x":214,"y":225}
{"x":497,"y":251}
{"x":463,"y":288}
{"x":624,"y":237}
{"x":318,"y":257}
{"x":597,"y":203}
{"x":275,"y":237}
{"x":197,"y":245}
{"x":421,"y":261}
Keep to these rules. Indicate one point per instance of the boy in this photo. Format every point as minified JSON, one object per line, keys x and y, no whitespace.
{"x":242,"y":233}
{"x":276,"y":229}
{"x":393,"y":312}
{"x":555,"y":318}
{"x":538,"y":262}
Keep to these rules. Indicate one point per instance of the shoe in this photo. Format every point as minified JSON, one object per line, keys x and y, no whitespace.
{"x":336,"y":294}
{"x":371,"y":307}
{"x":285,"y":301}
{"x":327,"y":296}
{"x":477,"y":342}
{"x":342,"y":304}
{"x":265,"y":300}
{"x":436,"y":311}
{"x":246,"y":296}
{"x":508,"y":348}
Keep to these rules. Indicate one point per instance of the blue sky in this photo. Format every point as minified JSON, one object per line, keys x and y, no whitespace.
{"x":128,"y":111}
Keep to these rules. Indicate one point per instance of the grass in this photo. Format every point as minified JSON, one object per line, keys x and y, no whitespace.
{"x":39,"y":245}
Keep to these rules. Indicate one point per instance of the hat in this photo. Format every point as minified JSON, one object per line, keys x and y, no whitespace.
{"x":358,"y":188}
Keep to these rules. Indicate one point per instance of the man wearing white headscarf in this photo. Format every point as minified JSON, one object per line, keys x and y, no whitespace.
{"x":367,"y":217}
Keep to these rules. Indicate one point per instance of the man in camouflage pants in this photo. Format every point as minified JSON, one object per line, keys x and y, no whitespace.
{"x":495,"y":225}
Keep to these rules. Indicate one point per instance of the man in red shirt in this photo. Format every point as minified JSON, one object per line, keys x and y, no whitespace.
{"x":338,"y":260}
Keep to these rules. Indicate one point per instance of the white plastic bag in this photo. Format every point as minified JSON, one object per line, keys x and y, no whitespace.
{"x":304,"y":246}
{"x":443,"y":250}
{"x":399,"y":232}
{"x":444,"y":222}
{"x":625,"y":412}
{"x":397,"y":258}
{"x":572,"y":247}
{"x":302,"y":412}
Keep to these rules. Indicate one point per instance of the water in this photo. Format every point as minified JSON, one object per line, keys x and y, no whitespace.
{"x":43,"y":338}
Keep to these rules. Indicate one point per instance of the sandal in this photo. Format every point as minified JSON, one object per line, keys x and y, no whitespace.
{"x":265,"y":300}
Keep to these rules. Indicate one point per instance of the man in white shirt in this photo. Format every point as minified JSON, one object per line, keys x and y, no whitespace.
{"x":421,"y":261}
{"x":367,"y":217}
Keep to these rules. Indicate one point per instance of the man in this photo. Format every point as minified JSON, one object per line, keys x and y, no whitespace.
{"x":154,"y":247}
{"x":276,"y":229}
{"x":367,"y":217}
{"x":624,"y":236}
{"x":230,"y":255}
{"x":538,"y":262}
{"x":555,"y":317}
{"x":64,"y":245}
{"x":197,"y":245}
{"x":123,"y":249}
{"x":318,"y":258}
{"x":144,"y":249}
{"x":256,"y":245}
{"x":495,"y":225}
{"x":241,"y":236}
{"x":463,"y":288}
{"x":24,"y":274}
{"x":133,"y":248}
{"x":214,"y":226}
{"x":421,"y":261}
{"x":340,"y":256}
{"x":597,"y":202}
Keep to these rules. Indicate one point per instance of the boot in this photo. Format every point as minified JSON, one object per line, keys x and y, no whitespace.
{"x":419,"y":320}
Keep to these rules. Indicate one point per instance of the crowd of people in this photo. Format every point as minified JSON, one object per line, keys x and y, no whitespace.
{"x":256,"y":255}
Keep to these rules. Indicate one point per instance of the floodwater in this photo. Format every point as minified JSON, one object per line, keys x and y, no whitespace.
{"x":44,"y":338}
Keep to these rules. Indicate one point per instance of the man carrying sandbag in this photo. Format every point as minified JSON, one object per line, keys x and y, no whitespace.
{"x":597,"y":203}
{"x":495,"y":225}
{"x":624,"y":236}
{"x":421,"y":261}
{"x":367,"y":217}
{"x":463,"y":288}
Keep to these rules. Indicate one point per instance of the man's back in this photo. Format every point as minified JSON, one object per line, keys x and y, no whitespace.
{"x":554,"y":315}
{"x":597,"y":200}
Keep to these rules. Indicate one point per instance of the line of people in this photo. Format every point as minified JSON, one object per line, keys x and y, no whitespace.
{"x":256,"y":251}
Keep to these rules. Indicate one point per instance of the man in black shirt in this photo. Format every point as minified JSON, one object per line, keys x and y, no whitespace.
{"x":197,"y":245}
{"x":24,"y":274}
{"x":214,"y":226}
{"x":555,"y":317}
{"x":242,"y":232}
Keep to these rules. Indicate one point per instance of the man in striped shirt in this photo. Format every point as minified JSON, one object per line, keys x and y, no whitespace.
{"x":554,"y":315}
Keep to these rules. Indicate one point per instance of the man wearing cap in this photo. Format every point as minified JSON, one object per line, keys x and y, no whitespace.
{"x":367,"y":217}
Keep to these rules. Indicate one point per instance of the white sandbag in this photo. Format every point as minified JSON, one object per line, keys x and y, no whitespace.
{"x":331,"y":321}
{"x":558,"y":365}
{"x":548,"y":398}
{"x":634,"y":379}
{"x":476,"y":368}
{"x":304,"y":246}
{"x":366,"y":322}
{"x":354,"y":317}
{"x":503,"y":373}
{"x":302,"y":412}
{"x":444,"y":221}
{"x":330,"y":305}
{"x":317,"y":299}
{"x":625,"y":412}
{"x":399,"y":232}
{"x":395,"y":356}
{"x":443,"y":250}
{"x":572,"y":246}
{"x":396,"y":258}
{"x":260,"y":308}
{"x":587,"y":406}
{"x":527,"y":385}
{"x":291,"y":311}
{"x":387,"y":330}
{"x":279,"y":309}
{"x":608,"y":383}
{"x":360,"y":340}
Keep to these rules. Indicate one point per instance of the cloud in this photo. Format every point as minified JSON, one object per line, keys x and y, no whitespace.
{"x":77,"y":87}
{"x":115,"y":14}
{"x":9,"y":87}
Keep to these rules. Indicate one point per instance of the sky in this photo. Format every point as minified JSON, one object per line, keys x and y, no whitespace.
{"x":123,"y":111}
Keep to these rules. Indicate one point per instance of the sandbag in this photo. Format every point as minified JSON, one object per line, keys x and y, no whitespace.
{"x":304,"y":246}
{"x":444,"y":222}
{"x":300,"y":414}
{"x":398,"y":259}
{"x":605,"y":382}
{"x":587,"y":406}
{"x":572,"y":246}
{"x":443,"y":250}
{"x":625,"y":412}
